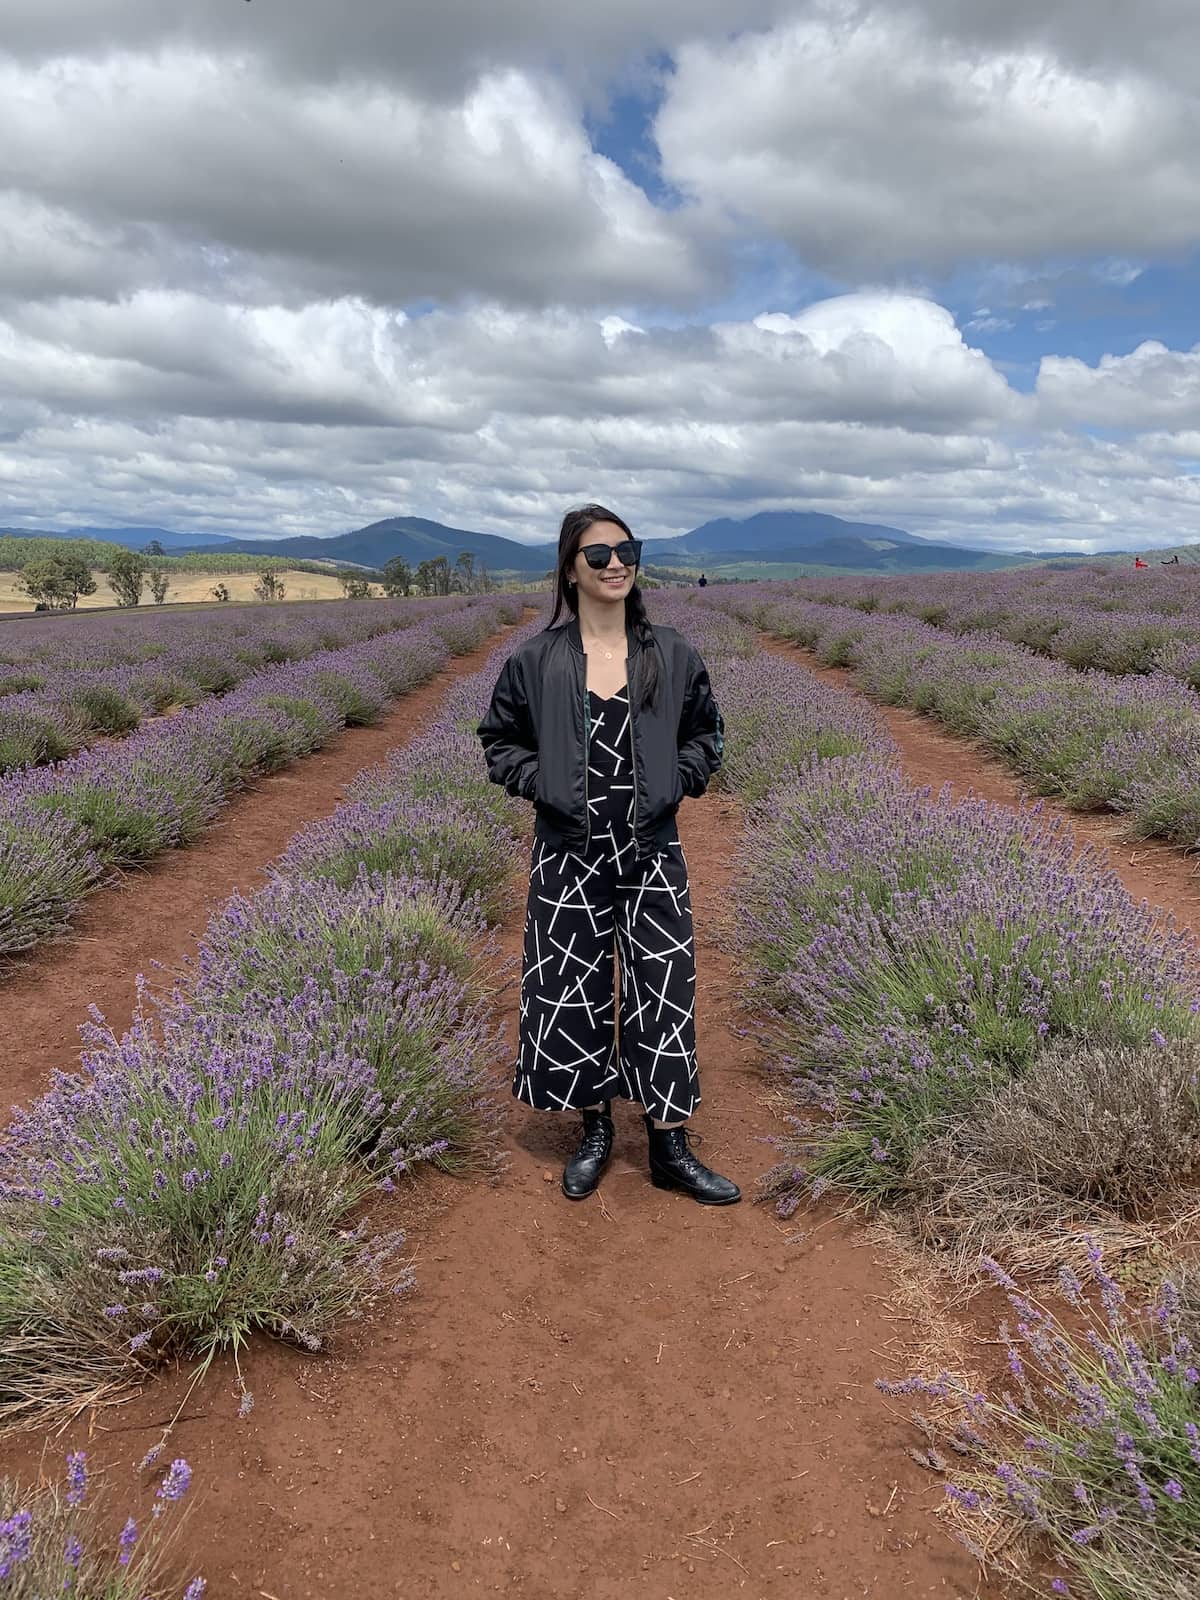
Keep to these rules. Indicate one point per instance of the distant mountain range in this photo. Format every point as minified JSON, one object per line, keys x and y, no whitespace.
{"x":771,"y":543}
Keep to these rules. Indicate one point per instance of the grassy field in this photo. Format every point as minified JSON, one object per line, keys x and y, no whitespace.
{"x":190,"y":587}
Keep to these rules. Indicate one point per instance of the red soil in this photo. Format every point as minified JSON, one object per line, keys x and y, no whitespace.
{"x":632,"y":1395}
{"x":1149,"y":868}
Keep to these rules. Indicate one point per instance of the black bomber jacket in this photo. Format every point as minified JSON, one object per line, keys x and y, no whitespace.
{"x":535,"y":733}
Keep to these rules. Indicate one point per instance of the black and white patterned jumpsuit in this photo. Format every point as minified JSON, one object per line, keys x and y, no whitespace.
{"x":580,"y":903}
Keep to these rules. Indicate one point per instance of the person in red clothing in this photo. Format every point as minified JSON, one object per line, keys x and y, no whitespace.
{"x":1138,"y":562}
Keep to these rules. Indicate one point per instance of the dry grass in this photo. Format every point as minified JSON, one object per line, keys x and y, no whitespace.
{"x":190,"y":587}
{"x":937,"y":1335}
{"x":1093,"y":1143}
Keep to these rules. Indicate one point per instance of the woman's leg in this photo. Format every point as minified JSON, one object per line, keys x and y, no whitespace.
{"x":656,"y":946}
{"x":567,"y":1055}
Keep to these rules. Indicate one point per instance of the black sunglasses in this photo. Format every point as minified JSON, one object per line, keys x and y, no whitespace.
{"x":628,"y":553}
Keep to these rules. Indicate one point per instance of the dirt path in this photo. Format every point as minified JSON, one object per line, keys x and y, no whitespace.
{"x":159,"y":912}
{"x":1149,"y":869}
{"x":583,"y":1402}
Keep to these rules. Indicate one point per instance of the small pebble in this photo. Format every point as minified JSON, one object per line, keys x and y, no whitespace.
{"x":547,"y":1176}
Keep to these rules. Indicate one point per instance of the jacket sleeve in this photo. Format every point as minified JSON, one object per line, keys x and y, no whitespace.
{"x":506,"y":732}
{"x":701,"y":729}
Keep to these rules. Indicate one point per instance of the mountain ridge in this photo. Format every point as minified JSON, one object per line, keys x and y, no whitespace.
{"x":763,"y":540}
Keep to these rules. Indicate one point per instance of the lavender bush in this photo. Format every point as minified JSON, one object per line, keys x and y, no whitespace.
{"x":922,"y":953}
{"x":913,"y":957}
{"x":53,"y":1540}
{"x":88,"y":676}
{"x":1088,"y":1134}
{"x":1093,"y":1450}
{"x":1116,"y":622}
{"x":98,"y":676}
{"x":395,"y":964}
{"x":197,"y":1180}
{"x":47,"y":868}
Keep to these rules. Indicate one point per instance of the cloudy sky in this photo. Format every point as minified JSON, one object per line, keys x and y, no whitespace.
{"x":287,"y":266}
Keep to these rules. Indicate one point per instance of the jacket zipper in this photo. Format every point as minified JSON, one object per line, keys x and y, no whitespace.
{"x":587,"y":755}
{"x":632,"y":744}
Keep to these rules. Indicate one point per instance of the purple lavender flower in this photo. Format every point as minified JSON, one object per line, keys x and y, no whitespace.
{"x":127,"y":1542}
{"x":177,"y":1481}
{"x":77,"y":1477}
{"x":16,"y":1541}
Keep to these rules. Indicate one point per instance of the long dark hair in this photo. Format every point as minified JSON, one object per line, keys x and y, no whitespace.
{"x":574,"y":525}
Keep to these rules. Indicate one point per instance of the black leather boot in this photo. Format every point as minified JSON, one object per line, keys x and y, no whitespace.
{"x":674,"y":1166}
{"x":582,"y":1171}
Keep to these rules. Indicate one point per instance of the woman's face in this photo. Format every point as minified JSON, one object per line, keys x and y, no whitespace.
{"x":608,"y":584}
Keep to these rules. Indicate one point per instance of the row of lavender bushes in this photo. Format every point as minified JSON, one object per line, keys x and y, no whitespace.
{"x":981,"y":1027}
{"x":1134,"y":623}
{"x":201,"y":1178}
{"x":62,"y":826}
{"x":66,"y":684}
{"x":1088,"y":738}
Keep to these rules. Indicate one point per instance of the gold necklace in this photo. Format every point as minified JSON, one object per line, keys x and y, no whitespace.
{"x":607,"y":654}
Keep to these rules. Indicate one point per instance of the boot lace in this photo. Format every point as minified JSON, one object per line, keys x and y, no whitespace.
{"x":683,"y":1152}
{"x":594,"y":1141}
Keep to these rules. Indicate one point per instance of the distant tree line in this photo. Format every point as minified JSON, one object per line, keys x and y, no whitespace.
{"x":56,"y":573}
{"x":17,"y":550}
{"x":55,"y":582}
{"x":437,"y":576}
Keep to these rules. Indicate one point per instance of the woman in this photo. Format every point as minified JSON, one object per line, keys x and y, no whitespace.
{"x":605,"y":724}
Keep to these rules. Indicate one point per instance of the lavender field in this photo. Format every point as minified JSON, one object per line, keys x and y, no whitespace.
{"x":1092,"y":739}
{"x":975,"y":1028}
{"x":201,"y":1177}
{"x":66,"y":682}
{"x":1119,"y":621}
{"x":64,"y":824}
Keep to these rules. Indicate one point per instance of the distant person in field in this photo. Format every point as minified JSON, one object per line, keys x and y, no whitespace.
{"x":1173,"y":562}
{"x":703,"y":581}
{"x":1138,"y":562}
{"x":605,"y":722}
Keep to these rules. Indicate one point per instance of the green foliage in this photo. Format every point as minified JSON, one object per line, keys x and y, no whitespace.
{"x":397,"y":577}
{"x":355,"y":585}
{"x":17,"y":551}
{"x":159,"y":584}
{"x":269,"y":586}
{"x":106,"y":709}
{"x":435,"y":577}
{"x":57,"y":581}
{"x":126,"y":577}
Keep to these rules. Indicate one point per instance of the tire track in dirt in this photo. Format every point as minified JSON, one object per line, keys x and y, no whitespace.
{"x":158,"y":913}
{"x":1149,"y":868}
